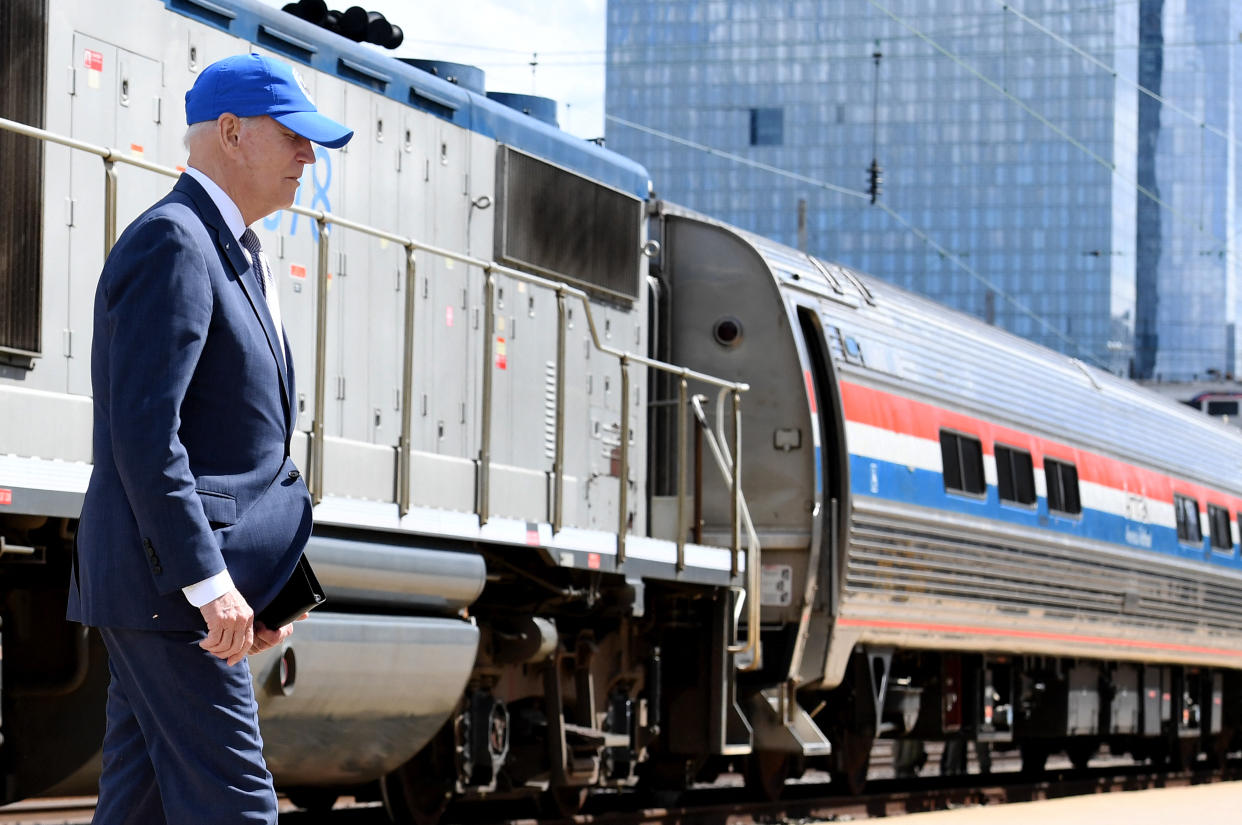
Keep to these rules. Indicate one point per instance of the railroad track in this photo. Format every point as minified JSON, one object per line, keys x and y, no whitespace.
{"x":727,"y":803}
{"x":66,"y":810}
{"x":78,"y":810}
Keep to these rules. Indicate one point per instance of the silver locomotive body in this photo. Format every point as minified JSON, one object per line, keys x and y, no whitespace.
{"x":464,"y":289}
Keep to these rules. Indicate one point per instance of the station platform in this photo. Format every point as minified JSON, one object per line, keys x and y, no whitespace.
{"x":1218,"y":803}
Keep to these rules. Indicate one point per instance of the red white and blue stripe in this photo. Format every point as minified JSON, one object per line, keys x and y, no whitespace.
{"x":894,"y":445}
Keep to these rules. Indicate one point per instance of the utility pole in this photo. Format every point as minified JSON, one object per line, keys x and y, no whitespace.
{"x":874,"y":176}
{"x":802,"y":224}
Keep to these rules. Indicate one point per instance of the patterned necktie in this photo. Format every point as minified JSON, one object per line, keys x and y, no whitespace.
{"x":251,"y":242}
{"x":263,"y":274}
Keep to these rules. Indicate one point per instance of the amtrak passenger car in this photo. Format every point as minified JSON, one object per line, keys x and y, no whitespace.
{"x":982,"y":539}
{"x":901,"y":523}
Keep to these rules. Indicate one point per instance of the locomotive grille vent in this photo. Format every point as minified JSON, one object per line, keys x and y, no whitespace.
{"x":549,"y":409}
{"x":555,"y":223}
{"x":23,"y":55}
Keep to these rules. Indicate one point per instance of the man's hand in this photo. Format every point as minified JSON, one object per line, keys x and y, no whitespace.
{"x":230,"y":627}
{"x":264,"y":638}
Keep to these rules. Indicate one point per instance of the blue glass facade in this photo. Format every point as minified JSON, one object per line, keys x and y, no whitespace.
{"x":1052,"y":218}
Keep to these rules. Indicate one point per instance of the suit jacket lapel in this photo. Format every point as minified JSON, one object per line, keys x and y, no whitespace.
{"x":293,"y":409}
{"x":246,"y":277}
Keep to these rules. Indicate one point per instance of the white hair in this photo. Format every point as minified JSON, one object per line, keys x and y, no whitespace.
{"x":196,"y":129}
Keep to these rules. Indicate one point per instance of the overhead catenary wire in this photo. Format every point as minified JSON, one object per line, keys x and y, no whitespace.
{"x":1163,"y":101}
{"x":1068,"y":138}
{"x":1009,"y":299}
{"x":790,"y":50}
{"x":1060,"y":132}
{"x":1201,"y":122}
{"x":941,"y":250}
{"x":972,"y":28}
{"x":506,"y":49}
{"x":767,"y":167}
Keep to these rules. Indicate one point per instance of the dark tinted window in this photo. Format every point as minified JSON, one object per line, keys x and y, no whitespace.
{"x":1218,"y":519}
{"x":767,"y":127}
{"x":24,"y":25}
{"x":1189,"y":529}
{"x":599,"y":248}
{"x":963,"y":463}
{"x":1015,"y":477}
{"x":1222,"y":408}
{"x":1062,"y":479}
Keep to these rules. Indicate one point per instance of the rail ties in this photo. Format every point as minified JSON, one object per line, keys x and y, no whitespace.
{"x":724,"y":804}
{"x":62,"y":811}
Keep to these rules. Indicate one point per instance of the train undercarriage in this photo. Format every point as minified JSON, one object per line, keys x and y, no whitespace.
{"x":586,"y":680}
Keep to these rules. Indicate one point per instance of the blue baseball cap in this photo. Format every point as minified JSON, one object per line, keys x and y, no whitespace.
{"x":250,"y":85}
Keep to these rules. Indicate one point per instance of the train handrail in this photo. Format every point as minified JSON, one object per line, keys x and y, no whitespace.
{"x":731,"y":472}
{"x":626,"y":359}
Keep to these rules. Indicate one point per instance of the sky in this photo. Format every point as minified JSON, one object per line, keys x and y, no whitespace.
{"x":567,"y":38}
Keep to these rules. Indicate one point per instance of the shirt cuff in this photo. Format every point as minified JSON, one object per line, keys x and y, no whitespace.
{"x":208,"y":590}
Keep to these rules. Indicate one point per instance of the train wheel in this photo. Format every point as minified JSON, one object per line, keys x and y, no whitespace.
{"x":953,"y":761}
{"x":1034,"y":756}
{"x":1216,"y":748}
{"x":1184,"y":754}
{"x":663,"y":779}
{"x":766,"y":773}
{"x":315,"y":800}
{"x":1080,"y":754}
{"x":909,"y":757}
{"x":418,"y":792}
{"x":983,"y":755}
{"x":850,"y":763}
{"x":564,"y":802}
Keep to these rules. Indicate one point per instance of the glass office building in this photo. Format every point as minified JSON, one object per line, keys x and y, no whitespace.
{"x":1078,"y":211}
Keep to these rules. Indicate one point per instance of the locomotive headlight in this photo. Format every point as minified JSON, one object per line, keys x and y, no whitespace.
{"x":727,"y":331}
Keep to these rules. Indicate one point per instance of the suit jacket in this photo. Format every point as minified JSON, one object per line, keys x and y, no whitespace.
{"x":193,"y":412}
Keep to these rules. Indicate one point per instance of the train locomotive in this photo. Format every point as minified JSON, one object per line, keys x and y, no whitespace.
{"x":608,"y":494}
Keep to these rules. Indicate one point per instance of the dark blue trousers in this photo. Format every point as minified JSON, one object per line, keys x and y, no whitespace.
{"x":182,"y":744}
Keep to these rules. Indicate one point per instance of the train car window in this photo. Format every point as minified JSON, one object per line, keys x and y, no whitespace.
{"x":1062,"y":481}
{"x":1222,"y":408}
{"x":1015,"y":477}
{"x":1189,"y":530}
{"x":963,"y":463}
{"x":1218,"y":520}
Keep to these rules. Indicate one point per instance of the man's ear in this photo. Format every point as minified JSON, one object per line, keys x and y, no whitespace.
{"x":228,"y":129}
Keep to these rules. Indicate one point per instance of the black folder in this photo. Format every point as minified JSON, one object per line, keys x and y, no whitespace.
{"x":300,"y":594}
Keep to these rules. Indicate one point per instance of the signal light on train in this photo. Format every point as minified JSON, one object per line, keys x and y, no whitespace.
{"x":312,"y":11}
{"x":355,"y":22}
{"x":361,"y":25}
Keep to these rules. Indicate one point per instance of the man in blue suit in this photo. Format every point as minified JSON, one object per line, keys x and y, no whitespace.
{"x":195,"y":515}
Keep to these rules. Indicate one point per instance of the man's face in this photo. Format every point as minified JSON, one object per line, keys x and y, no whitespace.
{"x":271,"y":159}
